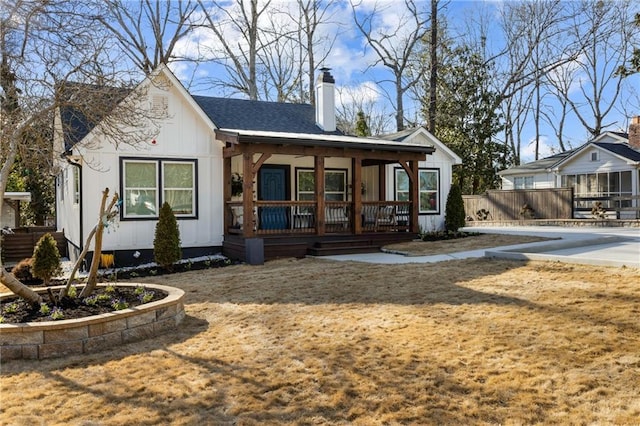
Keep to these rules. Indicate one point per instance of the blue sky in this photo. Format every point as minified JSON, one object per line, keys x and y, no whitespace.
{"x":351,"y":62}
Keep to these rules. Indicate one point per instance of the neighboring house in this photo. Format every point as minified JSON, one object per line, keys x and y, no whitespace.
{"x":10,"y":217}
{"x":298,"y":177}
{"x":608,"y":165}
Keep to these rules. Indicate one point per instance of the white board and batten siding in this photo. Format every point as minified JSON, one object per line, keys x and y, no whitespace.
{"x":443,"y":160}
{"x":183,"y":135}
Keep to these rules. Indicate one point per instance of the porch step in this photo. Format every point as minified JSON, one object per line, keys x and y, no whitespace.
{"x":329,"y":248}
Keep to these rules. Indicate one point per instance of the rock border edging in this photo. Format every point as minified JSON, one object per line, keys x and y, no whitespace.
{"x":52,"y":339}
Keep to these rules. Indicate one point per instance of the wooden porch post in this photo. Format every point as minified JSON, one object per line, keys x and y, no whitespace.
{"x":382,"y":182}
{"x":356,"y":194}
{"x":226,"y":178}
{"x":319,"y":173}
{"x":414,"y":189}
{"x":247,"y":195}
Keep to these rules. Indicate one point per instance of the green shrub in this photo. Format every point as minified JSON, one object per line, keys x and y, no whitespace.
{"x":46,"y":259}
{"x":454,"y":210}
{"x":166,"y":244}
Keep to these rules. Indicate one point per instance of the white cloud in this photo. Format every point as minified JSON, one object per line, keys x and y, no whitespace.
{"x":363,"y":93}
{"x":528,"y":151}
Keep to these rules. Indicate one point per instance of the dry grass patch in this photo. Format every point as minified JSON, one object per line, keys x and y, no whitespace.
{"x":476,"y":242}
{"x":317,"y":342}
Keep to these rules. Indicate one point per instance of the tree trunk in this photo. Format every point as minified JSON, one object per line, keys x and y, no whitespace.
{"x":433,"y":80}
{"x":64,"y":291}
{"x":92,"y":280}
{"x":19,"y":289}
{"x":399,"y":103}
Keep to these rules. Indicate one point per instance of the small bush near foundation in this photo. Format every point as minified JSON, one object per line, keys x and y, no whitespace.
{"x":166,"y":244}
{"x":454,"y":218}
{"x":46,"y":258}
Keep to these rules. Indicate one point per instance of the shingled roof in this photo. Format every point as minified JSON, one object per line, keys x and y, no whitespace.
{"x":83,"y":106}
{"x":622,"y":149}
{"x":241,"y":114}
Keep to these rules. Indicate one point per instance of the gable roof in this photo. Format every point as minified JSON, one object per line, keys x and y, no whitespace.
{"x":79,"y":116}
{"x":242,"y":114}
{"x":409,"y":135}
{"x":245,"y":120}
{"x":541,"y":165}
{"x":621,"y":149}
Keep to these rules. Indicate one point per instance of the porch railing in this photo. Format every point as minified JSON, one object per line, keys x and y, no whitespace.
{"x":300,"y":217}
{"x":610,"y":207}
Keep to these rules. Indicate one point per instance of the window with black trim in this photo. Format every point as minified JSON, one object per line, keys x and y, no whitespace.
{"x":429,"y":189}
{"x":146,"y":184}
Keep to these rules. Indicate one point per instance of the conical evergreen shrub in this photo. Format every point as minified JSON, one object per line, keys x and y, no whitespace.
{"x":46,"y":259}
{"x":454,"y":218}
{"x":166,"y":244}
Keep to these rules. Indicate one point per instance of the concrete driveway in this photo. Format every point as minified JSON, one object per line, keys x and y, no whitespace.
{"x":607,"y":246}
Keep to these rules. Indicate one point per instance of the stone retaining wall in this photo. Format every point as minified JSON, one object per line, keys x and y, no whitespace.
{"x":596,"y":223}
{"x":51,"y":339}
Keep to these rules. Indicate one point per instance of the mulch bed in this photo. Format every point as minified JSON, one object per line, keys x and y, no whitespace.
{"x":15,"y":310}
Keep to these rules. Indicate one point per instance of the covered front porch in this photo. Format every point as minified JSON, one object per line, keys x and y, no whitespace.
{"x":307,"y":195}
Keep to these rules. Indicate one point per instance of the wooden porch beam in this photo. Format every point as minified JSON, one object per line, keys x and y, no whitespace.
{"x":414,"y":194}
{"x":356,"y":194}
{"x":247,"y":195}
{"x":319,"y":174}
{"x":226,"y":172}
{"x":382,"y":183}
{"x":310,"y":151}
{"x":256,"y":167}
{"x":414,"y":189}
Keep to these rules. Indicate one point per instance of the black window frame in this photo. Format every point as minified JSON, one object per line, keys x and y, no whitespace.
{"x":159,"y":186}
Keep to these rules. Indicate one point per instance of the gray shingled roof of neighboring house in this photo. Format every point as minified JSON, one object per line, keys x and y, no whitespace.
{"x":241,"y":114}
{"x":539,"y":165}
{"x":619,"y":148}
{"x":622,"y":149}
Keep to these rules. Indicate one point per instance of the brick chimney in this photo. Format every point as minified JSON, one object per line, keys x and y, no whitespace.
{"x":325,"y":101}
{"x":634,"y":132}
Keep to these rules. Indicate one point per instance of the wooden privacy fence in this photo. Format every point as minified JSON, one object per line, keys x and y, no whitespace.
{"x":21,"y":243}
{"x":517,"y":204}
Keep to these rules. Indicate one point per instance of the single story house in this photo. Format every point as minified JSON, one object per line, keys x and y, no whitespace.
{"x":607,"y":166}
{"x":254,"y":180}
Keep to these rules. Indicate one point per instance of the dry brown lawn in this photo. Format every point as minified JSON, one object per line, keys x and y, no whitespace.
{"x":318,"y":342}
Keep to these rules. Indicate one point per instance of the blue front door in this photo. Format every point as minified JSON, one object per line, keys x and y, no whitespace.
{"x":272,"y":185}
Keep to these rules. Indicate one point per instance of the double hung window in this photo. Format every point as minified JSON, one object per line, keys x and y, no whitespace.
{"x":146,"y":184}
{"x":429,"y":189}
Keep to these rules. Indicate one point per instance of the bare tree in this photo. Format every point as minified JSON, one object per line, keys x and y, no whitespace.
{"x":433,"y":78}
{"x":147,"y":31}
{"x":45,"y":46}
{"x":239,"y":23}
{"x":352,"y":101}
{"x":396,"y":46}
{"x":279,"y":75}
{"x":607,"y":30}
{"x":313,"y":14}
